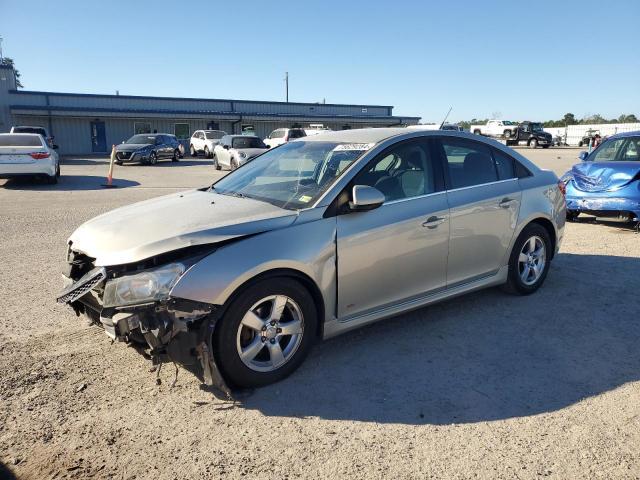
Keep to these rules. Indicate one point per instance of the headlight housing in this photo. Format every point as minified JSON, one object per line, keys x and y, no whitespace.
{"x":242,"y":155}
{"x":147,"y":286}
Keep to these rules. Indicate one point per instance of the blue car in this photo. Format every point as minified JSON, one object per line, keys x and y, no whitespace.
{"x":607,"y":181}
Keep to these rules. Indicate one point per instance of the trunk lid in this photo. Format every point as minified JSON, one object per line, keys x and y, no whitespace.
{"x":13,"y":155}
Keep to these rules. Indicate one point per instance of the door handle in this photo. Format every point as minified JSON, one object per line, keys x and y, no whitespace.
{"x":433,"y":222}
{"x":506,"y":202}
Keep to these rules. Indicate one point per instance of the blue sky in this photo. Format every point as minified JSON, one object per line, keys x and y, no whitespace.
{"x":522,"y":60}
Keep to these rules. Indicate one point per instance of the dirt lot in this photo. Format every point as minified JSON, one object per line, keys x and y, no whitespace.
{"x":487,"y":386}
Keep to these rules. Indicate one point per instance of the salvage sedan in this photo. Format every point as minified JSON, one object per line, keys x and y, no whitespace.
{"x":309,"y":240}
{"x":607,"y":182}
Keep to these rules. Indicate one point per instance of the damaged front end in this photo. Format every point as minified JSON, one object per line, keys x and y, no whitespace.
{"x":133,"y":304}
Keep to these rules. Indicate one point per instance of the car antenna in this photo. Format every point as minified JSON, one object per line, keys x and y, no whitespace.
{"x":445,"y":118}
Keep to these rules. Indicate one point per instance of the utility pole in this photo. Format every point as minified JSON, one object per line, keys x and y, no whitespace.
{"x":286,"y":86}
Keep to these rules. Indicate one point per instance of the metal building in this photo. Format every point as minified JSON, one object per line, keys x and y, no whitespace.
{"x":89,"y":123}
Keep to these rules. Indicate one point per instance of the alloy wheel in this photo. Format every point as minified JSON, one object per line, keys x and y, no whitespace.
{"x":270,"y":333}
{"x":532,"y":260}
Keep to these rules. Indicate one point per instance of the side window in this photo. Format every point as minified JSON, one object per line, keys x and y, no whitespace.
{"x":608,"y":151}
{"x":469,"y":163}
{"x":404,"y":171}
{"x":505,"y":165}
{"x":224,"y":140}
{"x":631,"y":151}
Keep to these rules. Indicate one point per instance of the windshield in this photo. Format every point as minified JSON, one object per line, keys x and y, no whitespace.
{"x":142,"y":139}
{"x":508,"y":122}
{"x":292,"y":176}
{"x":214,"y":135}
{"x":618,"y":150}
{"x":536,"y":127}
{"x":247,"y":142}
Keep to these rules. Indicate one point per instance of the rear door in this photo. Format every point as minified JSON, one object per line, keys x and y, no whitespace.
{"x":484,"y":201}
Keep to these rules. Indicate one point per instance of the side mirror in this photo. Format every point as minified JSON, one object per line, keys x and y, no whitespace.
{"x":226,"y":147}
{"x":583,"y":156}
{"x":55,"y":147}
{"x":364,"y":197}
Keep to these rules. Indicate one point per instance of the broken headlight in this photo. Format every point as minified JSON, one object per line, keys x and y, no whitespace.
{"x":147,"y":286}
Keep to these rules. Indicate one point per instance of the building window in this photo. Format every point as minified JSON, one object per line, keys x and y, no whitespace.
{"x":141,"y":127}
{"x":181,"y":131}
{"x":364,"y":110}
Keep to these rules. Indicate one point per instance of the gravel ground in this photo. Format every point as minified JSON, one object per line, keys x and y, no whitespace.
{"x":487,"y":386}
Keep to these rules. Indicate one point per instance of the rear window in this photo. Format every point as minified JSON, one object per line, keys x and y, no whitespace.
{"x":214,"y":135}
{"x":297,"y":134}
{"x":39,"y":131}
{"x":20,"y":141}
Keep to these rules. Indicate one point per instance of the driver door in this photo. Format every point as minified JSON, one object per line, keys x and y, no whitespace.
{"x":399,"y":250}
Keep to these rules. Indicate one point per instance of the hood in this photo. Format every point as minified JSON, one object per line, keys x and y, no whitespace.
{"x":601,"y":176}
{"x":142,"y":230}
{"x":131,"y":147}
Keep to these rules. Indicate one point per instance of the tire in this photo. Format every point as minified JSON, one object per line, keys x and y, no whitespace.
{"x":153,"y":158}
{"x":515,"y":279}
{"x":580,"y":143}
{"x":533,"y":143}
{"x":176,"y":155}
{"x":215,"y":162}
{"x":192,"y":151}
{"x":231,"y":336}
{"x":477,"y":132}
{"x":58,"y":171}
{"x":52,"y":179}
{"x":118,"y":162}
{"x":207,"y":153}
{"x":233,"y":164}
{"x":546,"y":146}
{"x":507,"y":133}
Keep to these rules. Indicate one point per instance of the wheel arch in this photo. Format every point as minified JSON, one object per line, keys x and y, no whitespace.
{"x":548,"y":226}
{"x":292,"y":273}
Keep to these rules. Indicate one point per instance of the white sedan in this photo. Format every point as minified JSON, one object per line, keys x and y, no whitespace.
{"x":235,"y":150}
{"x":28,"y":155}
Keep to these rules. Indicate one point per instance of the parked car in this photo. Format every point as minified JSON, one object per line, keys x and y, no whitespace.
{"x":28,"y":155}
{"x":148,"y":148}
{"x":236,"y":150}
{"x":311,"y":239}
{"x":204,"y":141}
{"x":531,"y":134}
{"x":607,"y":181}
{"x":283,"y":135}
{"x":588,"y":137}
{"x":37,"y":130}
{"x":495,"y":128}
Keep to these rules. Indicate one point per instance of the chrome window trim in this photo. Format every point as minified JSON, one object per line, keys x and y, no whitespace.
{"x":482,"y":184}
{"x":417,"y":197}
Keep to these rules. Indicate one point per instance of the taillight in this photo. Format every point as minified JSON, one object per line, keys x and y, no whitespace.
{"x":563,"y":188}
{"x":40,"y":155}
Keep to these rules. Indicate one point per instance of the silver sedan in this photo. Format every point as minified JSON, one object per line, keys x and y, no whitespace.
{"x":321,"y":235}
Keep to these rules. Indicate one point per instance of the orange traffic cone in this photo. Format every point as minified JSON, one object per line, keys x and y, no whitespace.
{"x":109,"y":183}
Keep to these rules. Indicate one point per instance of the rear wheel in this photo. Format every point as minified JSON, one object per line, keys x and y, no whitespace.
{"x":52,"y":179}
{"x":207,"y":153}
{"x":266,"y":333}
{"x":234,"y":164}
{"x":529,"y":261}
{"x":507,"y":133}
{"x":476,"y":132}
{"x":215,"y":162}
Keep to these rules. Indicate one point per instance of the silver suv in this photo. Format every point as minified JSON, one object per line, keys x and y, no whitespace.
{"x":311,"y":239}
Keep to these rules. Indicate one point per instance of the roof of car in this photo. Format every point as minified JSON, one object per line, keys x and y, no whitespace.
{"x":242,"y":136}
{"x":635,"y":133}
{"x":360,"y":135}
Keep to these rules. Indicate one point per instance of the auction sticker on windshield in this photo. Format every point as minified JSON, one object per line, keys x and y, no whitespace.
{"x":353,"y":146}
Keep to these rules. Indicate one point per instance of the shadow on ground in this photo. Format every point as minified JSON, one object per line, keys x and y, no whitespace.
{"x":67,"y":183}
{"x":6,"y":473}
{"x":485,"y":356}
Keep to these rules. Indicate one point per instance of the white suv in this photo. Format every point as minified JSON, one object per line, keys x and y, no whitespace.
{"x":205,"y":141}
{"x":283,"y":135}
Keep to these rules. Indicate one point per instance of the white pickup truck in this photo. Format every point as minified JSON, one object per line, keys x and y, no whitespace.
{"x":495,"y":128}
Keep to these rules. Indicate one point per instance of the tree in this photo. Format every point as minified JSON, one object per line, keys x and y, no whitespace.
{"x":9,"y":61}
{"x":569,"y":119}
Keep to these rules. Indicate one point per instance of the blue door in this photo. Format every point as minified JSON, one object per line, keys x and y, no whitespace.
{"x":98,"y":137}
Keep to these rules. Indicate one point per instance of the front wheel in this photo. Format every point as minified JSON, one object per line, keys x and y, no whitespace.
{"x":192,"y":151}
{"x":207,"y":154}
{"x":476,"y":132}
{"x":529,"y":261}
{"x":153,"y":158}
{"x":266,"y":333}
{"x":215,"y":162}
{"x":533,"y":143}
{"x":176,"y":155}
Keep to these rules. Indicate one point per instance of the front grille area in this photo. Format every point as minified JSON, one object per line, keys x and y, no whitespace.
{"x":82,"y":286}
{"x":123,"y":155}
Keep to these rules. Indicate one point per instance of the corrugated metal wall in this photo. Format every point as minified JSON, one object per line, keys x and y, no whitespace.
{"x":575,"y":133}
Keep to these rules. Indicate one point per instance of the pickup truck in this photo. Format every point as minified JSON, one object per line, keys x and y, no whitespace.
{"x":531,"y":134}
{"x":495,"y":128}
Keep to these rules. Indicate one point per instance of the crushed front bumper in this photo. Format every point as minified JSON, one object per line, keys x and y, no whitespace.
{"x":174,"y":330}
{"x":605,"y":206}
